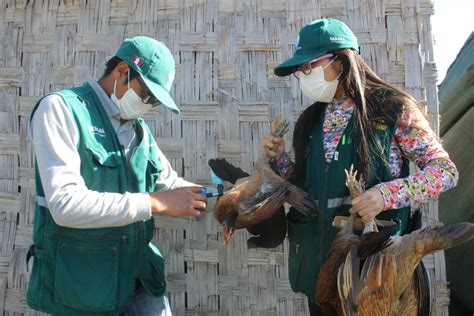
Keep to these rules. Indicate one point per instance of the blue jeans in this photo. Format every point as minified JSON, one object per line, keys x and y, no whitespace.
{"x":145,"y":304}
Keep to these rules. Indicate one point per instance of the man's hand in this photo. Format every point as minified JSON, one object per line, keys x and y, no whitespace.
{"x":179,"y":202}
{"x":368,"y":205}
{"x":273,"y":147}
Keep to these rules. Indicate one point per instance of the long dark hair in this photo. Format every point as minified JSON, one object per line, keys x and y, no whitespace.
{"x":369,"y":92}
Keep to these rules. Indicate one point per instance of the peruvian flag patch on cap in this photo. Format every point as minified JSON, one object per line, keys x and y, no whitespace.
{"x":137,"y":61}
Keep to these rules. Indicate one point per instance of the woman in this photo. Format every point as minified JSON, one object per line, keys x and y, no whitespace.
{"x":357,"y":118}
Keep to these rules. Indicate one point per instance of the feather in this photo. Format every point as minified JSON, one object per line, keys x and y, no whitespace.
{"x":374,"y":242}
{"x":269,"y":233}
{"x":226,"y":171}
{"x":380,"y":274}
{"x":348,"y":282}
{"x":422,"y":284}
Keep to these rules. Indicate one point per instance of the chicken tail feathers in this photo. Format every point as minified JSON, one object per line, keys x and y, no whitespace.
{"x":379,"y":275}
{"x":348,"y":283}
{"x":448,"y":236}
{"x":301,"y":201}
{"x":269,"y":233}
{"x":423,"y":293}
{"x":375,"y":241}
{"x":226,"y":171}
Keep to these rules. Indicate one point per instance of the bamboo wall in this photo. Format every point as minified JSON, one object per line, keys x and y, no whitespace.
{"x":225,"y":52}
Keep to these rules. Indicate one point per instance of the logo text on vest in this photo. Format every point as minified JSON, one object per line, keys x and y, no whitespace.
{"x":97,"y":131}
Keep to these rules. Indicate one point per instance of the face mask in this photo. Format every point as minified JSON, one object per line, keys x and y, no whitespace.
{"x":315,"y":87}
{"x":130,"y":104}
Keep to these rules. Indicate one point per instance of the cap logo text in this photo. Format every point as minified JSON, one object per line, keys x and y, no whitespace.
{"x":297,"y":47}
{"x":337,"y":38}
{"x":169,"y":83}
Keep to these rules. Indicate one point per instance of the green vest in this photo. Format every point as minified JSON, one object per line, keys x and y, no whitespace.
{"x":325,"y":182}
{"x":94,"y":271}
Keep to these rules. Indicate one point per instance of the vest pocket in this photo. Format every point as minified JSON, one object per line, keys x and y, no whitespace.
{"x":102,"y":170}
{"x":103,"y":157}
{"x":302,"y":256}
{"x":153,"y":172}
{"x":90,"y":266}
{"x":152,"y":271}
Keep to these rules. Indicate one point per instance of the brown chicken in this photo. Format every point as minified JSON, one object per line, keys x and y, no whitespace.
{"x":267,"y":234}
{"x":327,"y":296}
{"x":385,"y":285}
{"x":393,"y":280}
{"x":256,"y":198}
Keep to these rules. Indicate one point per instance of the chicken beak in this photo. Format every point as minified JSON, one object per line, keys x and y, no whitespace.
{"x":228,"y":232}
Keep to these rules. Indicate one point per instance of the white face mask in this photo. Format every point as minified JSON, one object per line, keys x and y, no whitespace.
{"x":130,"y":104}
{"x":315,"y":87}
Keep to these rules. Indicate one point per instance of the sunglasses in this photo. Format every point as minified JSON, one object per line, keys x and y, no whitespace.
{"x":307,"y":67}
{"x":148,"y":97}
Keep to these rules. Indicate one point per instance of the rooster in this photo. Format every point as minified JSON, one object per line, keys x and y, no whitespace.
{"x":267,"y":234}
{"x":256,"y":198}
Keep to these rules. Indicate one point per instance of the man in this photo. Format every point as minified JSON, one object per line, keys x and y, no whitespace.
{"x":100,"y":176}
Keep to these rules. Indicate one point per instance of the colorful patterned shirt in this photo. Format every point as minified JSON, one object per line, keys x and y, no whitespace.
{"x":413,"y":140}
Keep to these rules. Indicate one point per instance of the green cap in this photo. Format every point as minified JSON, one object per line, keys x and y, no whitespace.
{"x":154,"y":63}
{"x":316,"y":39}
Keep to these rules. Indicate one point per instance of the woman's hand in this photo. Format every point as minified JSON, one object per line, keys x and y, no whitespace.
{"x":273,"y":147}
{"x":368,"y":205}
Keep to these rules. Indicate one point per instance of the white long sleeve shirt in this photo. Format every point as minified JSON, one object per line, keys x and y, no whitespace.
{"x":70,"y":202}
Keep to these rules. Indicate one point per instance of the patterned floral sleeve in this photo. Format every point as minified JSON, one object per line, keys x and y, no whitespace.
{"x":436,"y":172}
